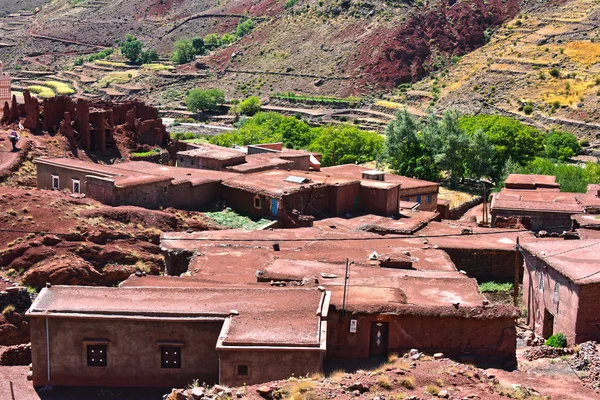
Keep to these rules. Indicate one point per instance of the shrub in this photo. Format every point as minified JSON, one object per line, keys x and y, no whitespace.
{"x":557,"y":340}
{"x":432,"y":390}
{"x":198,"y":44}
{"x":486,"y":287}
{"x":555,"y":72}
{"x":131,"y":48}
{"x":250,"y":106}
{"x":290,"y":4}
{"x":184,"y":52}
{"x":408,"y":382}
{"x":528,"y":109}
{"x":8,"y":310}
{"x":227,"y":38}
{"x":385,"y":382}
{"x":204,"y":99}
{"x":244,"y":27}
{"x":11,"y":273}
{"x":584,"y":143}
{"x":561,"y":145}
{"x":78,"y":61}
{"x":212,"y":40}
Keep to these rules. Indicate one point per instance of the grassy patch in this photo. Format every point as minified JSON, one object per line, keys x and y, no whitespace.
{"x":408,"y":382}
{"x":296,"y":98}
{"x":116,"y":77}
{"x":586,"y":53}
{"x":146,"y":153}
{"x":231,"y":219}
{"x":158,"y":67}
{"x":389,"y":104}
{"x":60,"y":87}
{"x":105,"y":63}
{"x":485,"y":287}
{"x":41,"y":91}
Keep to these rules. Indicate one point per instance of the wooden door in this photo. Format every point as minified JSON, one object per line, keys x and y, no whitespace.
{"x":379,"y":339}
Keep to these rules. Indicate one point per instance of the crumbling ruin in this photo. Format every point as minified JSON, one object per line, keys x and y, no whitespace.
{"x":90,"y":125}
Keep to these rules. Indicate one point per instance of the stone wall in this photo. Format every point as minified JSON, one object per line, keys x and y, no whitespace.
{"x":457,"y":212}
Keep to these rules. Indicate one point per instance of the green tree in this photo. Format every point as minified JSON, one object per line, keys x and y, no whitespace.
{"x":148,"y":57}
{"x":212,"y":40}
{"x":227,"y":38}
{"x":405,"y":152}
{"x":198,"y":44}
{"x":509,"y":138}
{"x":250,"y":106}
{"x":343,"y":144}
{"x":204,"y":99}
{"x":452,"y":146}
{"x":131,"y":48}
{"x":561,"y":145}
{"x":244,"y":27}
{"x":478,"y":162}
{"x":184,"y":52}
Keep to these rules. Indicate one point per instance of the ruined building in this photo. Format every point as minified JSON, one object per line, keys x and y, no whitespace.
{"x":90,"y":125}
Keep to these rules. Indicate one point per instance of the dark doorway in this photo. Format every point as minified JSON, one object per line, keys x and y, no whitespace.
{"x":548,"y":324}
{"x":379,"y":339}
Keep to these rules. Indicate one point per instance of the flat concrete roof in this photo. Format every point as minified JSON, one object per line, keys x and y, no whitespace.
{"x":407,"y":223}
{"x":575,"y":259}
{"x":177,"y":175}
{"x":352,"y":171}
{"x":537,"y":201}
{"x":259,"y":316}
{"x":532,"y":180}
{"x":262,"y":162}
{"x":273,"y":183}
{"x":206,"y":150}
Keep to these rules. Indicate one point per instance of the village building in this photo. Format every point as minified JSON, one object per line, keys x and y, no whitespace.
{"x":561,"y":287}
{"x":157,"y":336}
{"x":423,"y":193}
{"x":5,"y":92}
{"x":535,"y":202}
{"x":135,"y":183}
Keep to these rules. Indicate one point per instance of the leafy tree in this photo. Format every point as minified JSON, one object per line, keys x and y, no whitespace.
{"x":405,"y":152}
{"x":148,"y":57}
{"x":343,"y":144}
{"x":227,"y":38}
{"x":184,"y":52}
{"x":561,"y":145}
{"x":250,"y":106}
{"x":131,"y":48}
{"x":244,"y":27}
{"x":198,"y":44}
{"x":204,"y":99}
{"x":509,"y":138}
{"x":212,"y":40}
{"x":478,"y":163}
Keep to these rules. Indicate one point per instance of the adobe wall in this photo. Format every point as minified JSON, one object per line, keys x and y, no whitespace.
{"x":101,"y":189}
{"x":148,"y":195}
{"x":485,"y":264}
{"x":265,"y":366}
{"x":65,"y":177}
{"x":133,"y":353}
{"x":189,"y":197}
{"x":422,"y":193}
{"x":300,"y":163}
{"x":551,"y":222}
{"x":344,"y":198}
{"x":588,"y":317}
{"x":313,"y":201}
{"x":491,"y":341}
{"x":243,"y":201}
{"x":379,"y":201}
{"x":563,"y":307}
{"x":199,"y":162}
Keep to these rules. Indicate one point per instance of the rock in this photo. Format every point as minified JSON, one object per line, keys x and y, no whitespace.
{"x":30,"y":376}
{"x":16,"y":355}
{"x":417,"y":356}
{"x":413,"y":365}
{"x":264,"y":391}
{"x":443,"y":394}
{"x":356,"y":393}
{"x":360,"y":386}
{"x":218,"y":388}
{"x":438,"y":356}
{"x":197,"y":393}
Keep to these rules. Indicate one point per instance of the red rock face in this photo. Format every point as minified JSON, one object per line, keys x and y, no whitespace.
{"x":436,"y":30}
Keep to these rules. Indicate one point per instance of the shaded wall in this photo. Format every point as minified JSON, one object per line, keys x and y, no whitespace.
{"x":133,"y":353}
{"x":379,"y":201}
{"x":588,"y":316}
{"x":344,"y":198}
{"x":554,"y":221}
{"x":190,"y":197}
{"x":265,"y":366}
{"x":65,"y":177}
{"x":485,"y":264}
{"x":492,"y":341}
{"x":423,"y":194}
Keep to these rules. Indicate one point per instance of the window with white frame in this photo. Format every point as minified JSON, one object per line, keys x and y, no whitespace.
{"x":55,"y":182}
{"x":76,"y":186}
{"x":541,"y":281}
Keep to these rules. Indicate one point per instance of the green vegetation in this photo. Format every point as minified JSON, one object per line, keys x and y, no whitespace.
{"x":296,"y":98}
{"x":227,"y":38}
{"x":41,"y":91}
{"x":158,"y":67}
{"x":184,"y":52}
{"x":339,"y":144}
{"x":60,"y":87}
{"x":198,"y":45}
{"x":132,"y":49}
{"x":250,"y":106}
{"x":114,"y":77}
{"x":204,"y":99}
{"x":557,"y":340}
{"x":244,"y":27}
{"x":572,"y":178}
{"x":152,"y":152}
{"x":486,"y":287}
{"x":231,"y":219}
{"x":212,"y":40}
{"x":110,"y":63}
{"x":93,"y":57}
{"x":528,"y":109}
{"x":561,"y":145}
{"x":290,"y":4}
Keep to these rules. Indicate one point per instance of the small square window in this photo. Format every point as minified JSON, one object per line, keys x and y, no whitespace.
{"x":419,"y":199}
{"x":429,"y":198}
{"x":257,"y":203}
{"x":170,"y":357}
{"x":55,"y":182}
{"x":76,"y":186}
{"x":242,"y":370}
{"x":407,"y":199}
{"x":165,"y":189}
{"x":96,"y":355}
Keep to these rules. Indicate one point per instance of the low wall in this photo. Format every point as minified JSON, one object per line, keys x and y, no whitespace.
{"x":457,"y":212}
{"x":486,"y":264}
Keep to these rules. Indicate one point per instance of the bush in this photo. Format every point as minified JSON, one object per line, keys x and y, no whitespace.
{"x":561,"y":145}
{"x":409,"y":382}
{"x":198,"y":44}
{"x":204,"y":99}
{"x":557,"y":340}
{"x":78,"y":61}
{"x":487,"y":287}
{"x":131,"y":48}
{"x":8,"y":310}
{"x":184,"y":52}
{"x":250,"y":106}
{"x":584,"y":143}
{"x":244,"y":27}
{"x":212,"y":40}
{"x":555,"y":72}
{"x":148,"y":57}
{"x":227,"y":38}
{"x":290,"y":4}
{"x":572,"y":178}
{"x":528,"y":109}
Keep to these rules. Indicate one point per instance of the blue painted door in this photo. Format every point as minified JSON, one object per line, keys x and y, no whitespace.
{"x":274,"y":207}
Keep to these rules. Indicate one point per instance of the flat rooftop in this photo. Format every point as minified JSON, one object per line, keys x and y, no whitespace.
{"x":259,"y":316}
{"x":536,"y":200}
{"x":206,"y":150}
{"x":177,"y":175}
{"x":352,"y":171}
{"x":275,"y":183}
{"x":262,"y":162}
{"x":407,"y":223}
{"x":531,"y":180}
{"x":575,"y":259}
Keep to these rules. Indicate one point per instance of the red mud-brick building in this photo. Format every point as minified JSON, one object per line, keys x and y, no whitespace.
{"x":535,"y":202}
{"x":424,"y":193}
{"x":5,"y":93}
{"x":136,"y":183}
{"x":561,"y":287}
{"x":158,"y":336}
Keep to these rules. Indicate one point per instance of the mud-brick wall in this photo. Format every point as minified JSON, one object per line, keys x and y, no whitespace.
{"x":189,"y":197}
{"x":149,"y":195}
{"x":187,"y":161}
{"x":588,"y":317}
{"x":65,"y":177}
{"x":379,"y":201}
{"x":551,"y":222}
{"x":485,"y":264}
{"x":426,"y":205}
{"x":243,"y":201}
{"x":311,"y":201}
{"x":490,"y":340}
{"x":539,"y":286}
{"x":102,"y":190}
{"x":133,"y":352}
{"x":268,"y":365}
{"x":344,"y":198}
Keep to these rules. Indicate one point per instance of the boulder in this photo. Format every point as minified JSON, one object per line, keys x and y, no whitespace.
{"x":16,"y":355}
{"x":63,"y":271}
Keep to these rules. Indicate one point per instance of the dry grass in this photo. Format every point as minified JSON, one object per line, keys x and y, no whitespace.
{"x":158,"y":67}
{"x":60,"y":87}
{"x":105,"y":63}
{"x":389,"y":104}
{"x":432,"y":390}
{"x":384,"y":382}
{"x":116,"y":77}
{"x":41,"y":91}
{"x":455,"y":197}
{"x":337,"y":376}
{"x":586,"y":53}
{"x":408,"y":382}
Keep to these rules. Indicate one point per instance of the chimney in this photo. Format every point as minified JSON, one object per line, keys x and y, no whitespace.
{"x":374,"y":175}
